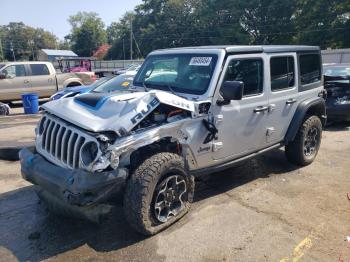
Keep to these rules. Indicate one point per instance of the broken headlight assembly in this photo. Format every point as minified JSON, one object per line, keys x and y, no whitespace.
{"x":89,"y":153}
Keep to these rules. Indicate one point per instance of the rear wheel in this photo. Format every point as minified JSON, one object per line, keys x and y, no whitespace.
{"x":303,"y":150}
{"x":158,"y":193}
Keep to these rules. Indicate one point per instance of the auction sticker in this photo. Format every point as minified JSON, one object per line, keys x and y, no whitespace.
{"x":200,"y":61}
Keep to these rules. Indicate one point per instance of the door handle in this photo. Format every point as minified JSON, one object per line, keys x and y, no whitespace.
{"x":26,"y":81}
{"x":260,"y":109}
{"x":291,"y":101}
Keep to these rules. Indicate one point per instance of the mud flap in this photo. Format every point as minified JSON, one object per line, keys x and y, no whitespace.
{"x":93,"y":213}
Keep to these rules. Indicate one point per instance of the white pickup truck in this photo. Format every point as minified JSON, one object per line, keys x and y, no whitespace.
{"x":17,"y":78}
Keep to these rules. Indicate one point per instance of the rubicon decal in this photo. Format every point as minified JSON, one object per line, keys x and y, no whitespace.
{"x":144,"y":112}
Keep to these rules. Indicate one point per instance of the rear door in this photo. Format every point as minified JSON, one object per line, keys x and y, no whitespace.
{"x":15,"y":83}
{"x":42,"y":81}
{"x":283,"y":95}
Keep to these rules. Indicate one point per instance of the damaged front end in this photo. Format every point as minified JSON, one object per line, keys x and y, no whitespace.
{"x":85,"y":147}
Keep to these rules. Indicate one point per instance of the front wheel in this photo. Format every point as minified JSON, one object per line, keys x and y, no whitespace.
{"x":304,"y":148}
{"x":158,"y":193}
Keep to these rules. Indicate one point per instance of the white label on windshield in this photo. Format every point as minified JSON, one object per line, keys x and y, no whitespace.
{"x":200,"y":61}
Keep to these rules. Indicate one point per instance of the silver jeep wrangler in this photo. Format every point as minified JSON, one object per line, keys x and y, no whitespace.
{"x":190,"y":111}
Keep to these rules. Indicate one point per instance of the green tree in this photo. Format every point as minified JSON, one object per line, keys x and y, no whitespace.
{"x":24,"y":41}
{"x":87,"y":33}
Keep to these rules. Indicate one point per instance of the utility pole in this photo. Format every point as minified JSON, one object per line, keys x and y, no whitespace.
{"x":2,"y":51}
{"x":31,"y":43}
{"x":123,"y":53}
{"x":13,"y":53}
{"x":131,"y":34}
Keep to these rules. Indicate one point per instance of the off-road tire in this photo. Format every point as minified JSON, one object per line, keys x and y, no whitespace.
{"x":141,"y":187}
{"x":295,"y":149}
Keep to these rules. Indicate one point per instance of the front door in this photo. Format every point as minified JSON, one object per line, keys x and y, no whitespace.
{"x":16,"y":83}
{"x":242,"y":124}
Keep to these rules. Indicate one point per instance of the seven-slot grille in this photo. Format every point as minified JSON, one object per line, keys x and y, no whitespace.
{"x":60,"y":142}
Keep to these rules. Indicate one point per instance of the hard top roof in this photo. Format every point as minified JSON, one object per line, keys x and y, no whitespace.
{"x":253,"y":48}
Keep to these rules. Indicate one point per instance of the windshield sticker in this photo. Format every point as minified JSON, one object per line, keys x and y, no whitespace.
{"x":200,"y":61}
{"x":125,"y":84}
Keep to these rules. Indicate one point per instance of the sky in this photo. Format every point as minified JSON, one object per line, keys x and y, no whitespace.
{"x":52,"y":15}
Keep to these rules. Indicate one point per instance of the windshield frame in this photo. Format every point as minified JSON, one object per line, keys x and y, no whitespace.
{"x":216,"y":55}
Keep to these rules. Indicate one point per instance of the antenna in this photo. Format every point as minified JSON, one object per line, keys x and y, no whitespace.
{"x":131,"y":34}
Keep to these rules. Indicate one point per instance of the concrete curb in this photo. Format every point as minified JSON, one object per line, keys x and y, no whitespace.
{"x":11,"y":153}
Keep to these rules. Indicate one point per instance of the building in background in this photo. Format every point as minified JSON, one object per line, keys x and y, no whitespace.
{"x":52,"y":55}
{"x":336,"y":56}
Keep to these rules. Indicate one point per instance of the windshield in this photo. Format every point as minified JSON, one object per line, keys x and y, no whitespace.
{"x":184,"y":73}
{"x":337,"y":71}
{"x":2,"y":65}
{"x":118,"y":83}
{"x":99,"y":82}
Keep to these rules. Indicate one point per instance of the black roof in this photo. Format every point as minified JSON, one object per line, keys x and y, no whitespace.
{"x":256,"y":48}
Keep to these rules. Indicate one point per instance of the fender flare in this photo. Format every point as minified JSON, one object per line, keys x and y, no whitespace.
{"x":318,"y":104}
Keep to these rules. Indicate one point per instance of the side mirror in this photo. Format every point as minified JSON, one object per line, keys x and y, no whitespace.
{"x":2,"y":76}
{"x":231,"y":90}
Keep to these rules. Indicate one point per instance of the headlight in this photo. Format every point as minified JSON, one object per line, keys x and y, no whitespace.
{"x":89,"y":153}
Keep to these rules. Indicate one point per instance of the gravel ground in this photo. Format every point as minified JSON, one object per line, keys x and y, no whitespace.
{"x":264,"y":210}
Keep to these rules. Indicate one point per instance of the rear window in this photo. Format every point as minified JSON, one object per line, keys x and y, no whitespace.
{"x":282,"y":73}
{"x":310,"y":68}
{"x":39,"y":69}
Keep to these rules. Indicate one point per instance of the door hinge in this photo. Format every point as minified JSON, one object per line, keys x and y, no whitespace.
{"x":270,"y":131}
{"x":218,"y":119}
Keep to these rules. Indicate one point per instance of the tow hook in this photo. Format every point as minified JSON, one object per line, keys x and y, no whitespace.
{"x":212,"y":131}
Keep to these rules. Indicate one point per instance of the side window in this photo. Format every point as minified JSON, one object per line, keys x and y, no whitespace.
{"x":282,"y":72}
{"x":310,"y":68}
{"x":14,"y":71}
{"x":39,"y":69}
{"x":250,"y":72}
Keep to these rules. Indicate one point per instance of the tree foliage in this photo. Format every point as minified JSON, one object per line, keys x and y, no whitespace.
{"x":173,"y":23}
{"x":88,"y":33}
{"x":24,"y":41}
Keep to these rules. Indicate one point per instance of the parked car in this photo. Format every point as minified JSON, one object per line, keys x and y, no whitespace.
{"x":17,"y":78}
{"x":337,"y":84}
{"x":214,"y":107}
{"x":118,"y":83}
{"x":76,"y":90}
{"x":103,"y":85}
{"x":131,"y":70}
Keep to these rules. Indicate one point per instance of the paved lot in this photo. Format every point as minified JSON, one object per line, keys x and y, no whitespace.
{"x":265,"y":210}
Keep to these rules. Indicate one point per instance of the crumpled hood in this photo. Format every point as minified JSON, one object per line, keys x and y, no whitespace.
{"x":113,"y":112}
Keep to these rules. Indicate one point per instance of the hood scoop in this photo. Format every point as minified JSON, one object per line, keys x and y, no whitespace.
{"x":92,"y":100}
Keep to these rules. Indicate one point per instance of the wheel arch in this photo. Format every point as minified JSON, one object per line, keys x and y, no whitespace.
{"x":165,"y":144}
{"x":313,"y":106}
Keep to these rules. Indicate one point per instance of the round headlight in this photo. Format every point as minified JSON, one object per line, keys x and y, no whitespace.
{"x":89,"y":153}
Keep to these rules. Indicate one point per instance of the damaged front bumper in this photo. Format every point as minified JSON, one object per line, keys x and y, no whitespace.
{"x":74,"y":187}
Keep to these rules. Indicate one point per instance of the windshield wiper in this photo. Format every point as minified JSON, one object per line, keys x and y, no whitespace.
{"x":144,"y":86}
